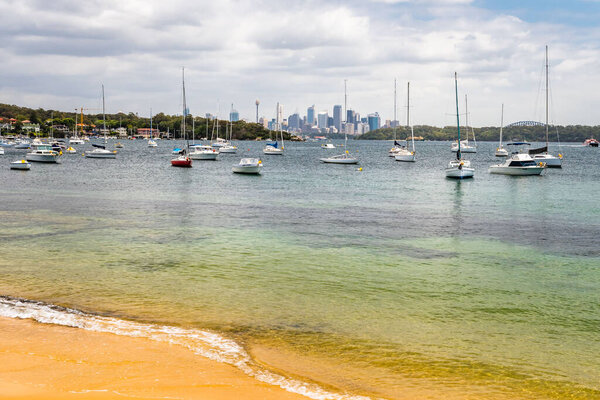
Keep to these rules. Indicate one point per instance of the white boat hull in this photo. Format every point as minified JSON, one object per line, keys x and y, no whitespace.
{"x":500,"y":152}
{"x":20,"y":165}
{"x":273,"y":152}
{"x":229,"y":150}
{"x":251,"y":170}
{"x":405,"y":156}
{"x":548,"y":159}
{"x":91,"y":154}
{"x":45,"y":158}
{"x":208,"y":156}
{"x":515,"y":171}
{"x":460,"y":173}
{"x":340,"y":160}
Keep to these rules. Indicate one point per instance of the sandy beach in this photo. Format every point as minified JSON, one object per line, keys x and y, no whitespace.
{"x":42,"y":361}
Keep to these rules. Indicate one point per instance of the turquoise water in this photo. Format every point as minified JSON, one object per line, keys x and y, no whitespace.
{"x":391,"y":282}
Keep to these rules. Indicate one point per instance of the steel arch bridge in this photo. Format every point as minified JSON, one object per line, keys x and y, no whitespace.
{"x":525,"y":123}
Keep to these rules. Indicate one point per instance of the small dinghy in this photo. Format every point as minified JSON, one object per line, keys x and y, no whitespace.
{"x":20,"y":164}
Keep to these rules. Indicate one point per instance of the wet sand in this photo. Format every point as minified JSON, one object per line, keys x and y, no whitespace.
{"x":43,"y":361}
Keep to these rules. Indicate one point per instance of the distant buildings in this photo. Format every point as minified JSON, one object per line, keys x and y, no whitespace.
{"x":374,"y":121}
{"x":310,"y":115}
{"x":234,"y":115}
{"x":337,"y":117}
{"x":322,"y":120}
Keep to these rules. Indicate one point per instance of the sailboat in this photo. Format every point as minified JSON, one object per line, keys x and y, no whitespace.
{"x":501,"y":151}
{"x":541,"y":154}
{"x":151,"y":143}
{"x":459,"y":168}
{"x":272,"y":148}
{"x":345,"y":158}
{"x":182,"y":159}
{"x":99,"y":150}
{"x":397,"y":146}
{"x":465,"y":147}
{"x":229,"y":146}
{"x":404,"y":154}
{"x":199,"y":151}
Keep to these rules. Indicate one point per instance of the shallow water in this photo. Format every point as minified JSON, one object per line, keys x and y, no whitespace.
{"x":391,"y":281}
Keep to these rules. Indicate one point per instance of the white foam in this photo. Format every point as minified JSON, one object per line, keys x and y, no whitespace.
{"x":204,"y":343}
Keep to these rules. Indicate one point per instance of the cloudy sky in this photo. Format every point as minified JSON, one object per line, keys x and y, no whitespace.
{"x":56,"y":54}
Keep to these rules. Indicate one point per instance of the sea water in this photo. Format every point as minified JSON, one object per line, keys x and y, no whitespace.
{"x":391,"y":281}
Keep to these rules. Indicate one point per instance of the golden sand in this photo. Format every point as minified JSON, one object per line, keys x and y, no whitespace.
{"x":41,"y":361}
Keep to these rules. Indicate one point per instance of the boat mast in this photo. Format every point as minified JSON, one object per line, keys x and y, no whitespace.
{"x":103,"y":115}
{"x":345,"y":111}
{"x":412,"y":132}
{"x":501,"y":125}
{"x":395,"y":112}
{"x":457,"y":115}
{"x":150,"y":123}
{"x":467,"y":118}
{"x":184,"y":105}
{"x":546,"y":98}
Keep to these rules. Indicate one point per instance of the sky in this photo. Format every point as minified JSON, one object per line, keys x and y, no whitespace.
{"x":57,"y":54}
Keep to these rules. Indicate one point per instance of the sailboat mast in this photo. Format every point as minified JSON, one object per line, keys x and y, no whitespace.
{"x":150,"y":123}
{"x":457,"y":115}
{"x":467,"y":118}
{"x":395,"y":107}
{"x":501,"y":124}
{"x":184,"y":105}
{"x":103,"y":114}
{"x":412,"y":132}
{"x":345,"y":111}
{"x":546,"y":97}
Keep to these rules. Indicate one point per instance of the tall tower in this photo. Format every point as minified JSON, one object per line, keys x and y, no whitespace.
{"x":257,"y":102}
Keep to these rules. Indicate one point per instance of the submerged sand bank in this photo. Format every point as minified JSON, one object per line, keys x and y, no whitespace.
{"x":44,"y":361}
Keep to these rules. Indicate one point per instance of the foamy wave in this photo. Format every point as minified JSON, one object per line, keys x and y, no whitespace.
{"x":204,"y":343}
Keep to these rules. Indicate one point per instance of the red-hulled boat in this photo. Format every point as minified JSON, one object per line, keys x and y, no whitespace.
{"x":591,"y":142}
{"x":182,"y":161}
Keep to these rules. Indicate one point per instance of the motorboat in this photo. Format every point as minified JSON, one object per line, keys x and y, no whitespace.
{"x":22,"y":165}
{"x":43,"y":153}
{"x":201,"y":152}
{"x":229,"y":148}
{"x":73,"y":140}
{"x":459,"y":169}
{"x":547,"y":158}
{"x":328,"y":146}
{"x":251,"y":166}
{"x":591,"y":143}
{"x":23,"y":145}
{"x":345,"y":158}
{"x":519,"y":164}
{"x":465,"y":147}
{"x":100,"y":151}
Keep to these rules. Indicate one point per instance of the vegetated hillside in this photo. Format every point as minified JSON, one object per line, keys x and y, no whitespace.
{"x":570,"y":133}
{"x":172,"y":123}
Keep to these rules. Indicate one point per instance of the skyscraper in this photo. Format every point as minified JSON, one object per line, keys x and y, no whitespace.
{"x":337,"y":117}
{"x":322,"y":119}
{"x":374,"y":121}
{"x":294,"y":121}
{"x":350,"y":116}
{"x":310,"y":115}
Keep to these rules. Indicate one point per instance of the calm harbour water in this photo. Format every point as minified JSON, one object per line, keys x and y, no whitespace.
{"x":391,"y":282}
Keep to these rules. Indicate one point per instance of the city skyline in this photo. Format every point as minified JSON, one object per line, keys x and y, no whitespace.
{"x":237,"y":52}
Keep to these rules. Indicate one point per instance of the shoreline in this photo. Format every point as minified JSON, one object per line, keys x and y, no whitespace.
{"x":46,"y":361}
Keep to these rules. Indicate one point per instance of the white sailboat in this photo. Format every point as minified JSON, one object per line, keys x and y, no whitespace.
{"x":181,"y":158}
{"x":397,"y":146}
{"x":404,"y":154}
{"x":501,"y":151}
{"x":99,"y":150}
{"x":459,"y":168}
{"x":541,"y":154}
{"x":229,"y":147}
{"x":151,"y":142}
{"x":465,"y":146}
{"x":344,"y":158}
{"x":272,"y":148}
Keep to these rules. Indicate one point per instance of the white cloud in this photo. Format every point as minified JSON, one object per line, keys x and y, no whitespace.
{"x":56,"y":54}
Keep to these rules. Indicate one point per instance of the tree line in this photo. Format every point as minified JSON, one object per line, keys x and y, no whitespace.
{"x":569,"y":133}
